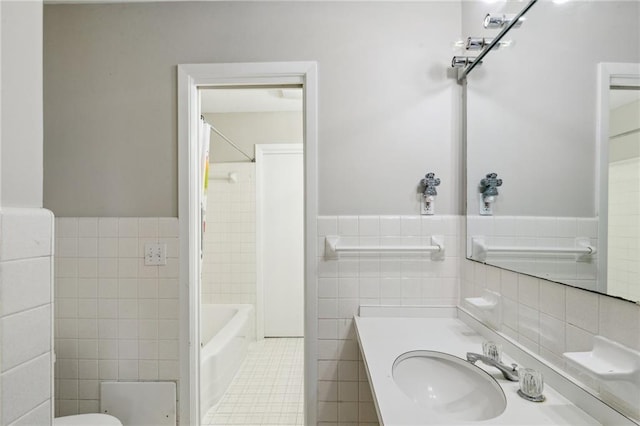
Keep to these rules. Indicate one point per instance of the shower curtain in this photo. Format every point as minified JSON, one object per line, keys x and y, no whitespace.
{"x":205,"y":136}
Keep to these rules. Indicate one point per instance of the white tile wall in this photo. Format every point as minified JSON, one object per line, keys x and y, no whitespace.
{"x":623,"y":263}
{"x":344,"y":396}
{"x":26,"y":252}
{"x":115,"y":317}
{"x":531,"y":231}
{"x":551,"y":318}
{"x":229,"y":262}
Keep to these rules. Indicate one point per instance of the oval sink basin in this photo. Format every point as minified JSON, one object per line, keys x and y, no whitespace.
{"x":451,"y":387}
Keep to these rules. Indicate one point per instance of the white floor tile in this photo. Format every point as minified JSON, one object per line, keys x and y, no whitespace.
{"x":268,"y":388}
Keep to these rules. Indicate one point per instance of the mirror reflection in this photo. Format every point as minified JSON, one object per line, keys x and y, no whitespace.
{"x":553,"y":116}
{"x":623,"y":201}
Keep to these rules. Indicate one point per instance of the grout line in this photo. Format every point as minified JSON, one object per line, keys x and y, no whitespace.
{"x":33,"y":308}
{"x":22,"y":364}
{"x":30,"y":411}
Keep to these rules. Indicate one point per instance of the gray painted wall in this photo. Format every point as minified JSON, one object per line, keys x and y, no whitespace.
{"x":246,"y":129}
{"x":21,"y":130}
{"x":387,"y":106}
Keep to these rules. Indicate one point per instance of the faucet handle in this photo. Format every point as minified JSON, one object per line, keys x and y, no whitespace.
{"x":514,"y":366}
{"x":531,"y":385}
{"x":492,"y":350}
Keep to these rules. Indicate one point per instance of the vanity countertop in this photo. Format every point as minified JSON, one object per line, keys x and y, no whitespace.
{"x":383,"y":339}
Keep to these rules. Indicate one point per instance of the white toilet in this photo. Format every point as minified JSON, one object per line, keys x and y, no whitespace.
{"x":87,"y":420}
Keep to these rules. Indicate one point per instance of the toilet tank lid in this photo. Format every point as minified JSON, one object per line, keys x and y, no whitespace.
{"x":87,"y":420}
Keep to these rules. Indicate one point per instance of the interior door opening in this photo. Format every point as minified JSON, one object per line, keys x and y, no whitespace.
{"x":251,"y":309}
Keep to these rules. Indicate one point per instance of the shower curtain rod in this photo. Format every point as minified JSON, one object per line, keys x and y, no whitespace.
{"x":463,"y":72}
{"x":229,"y":141}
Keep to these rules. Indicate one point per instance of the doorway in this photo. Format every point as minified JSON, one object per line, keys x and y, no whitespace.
{"x":252,"y":257}
{"x":191,"y":79}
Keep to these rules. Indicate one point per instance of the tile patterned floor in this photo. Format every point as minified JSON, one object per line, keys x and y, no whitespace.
{"x":268,"y":389}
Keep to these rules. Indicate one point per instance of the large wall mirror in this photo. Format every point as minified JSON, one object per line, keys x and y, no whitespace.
{"x":554,"y":113}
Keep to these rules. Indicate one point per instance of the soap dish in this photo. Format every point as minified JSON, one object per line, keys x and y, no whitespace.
{"x":487,"y":307}
{"x":608,"y":360}
{"x":616,"y":369}
{"x":487,"y":302}
{"x":481,"y":303}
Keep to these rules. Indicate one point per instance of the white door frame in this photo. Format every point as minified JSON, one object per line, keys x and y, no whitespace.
{"x":261,"y":151}
{"x":606,"y":72}
{"x":190,"y":77}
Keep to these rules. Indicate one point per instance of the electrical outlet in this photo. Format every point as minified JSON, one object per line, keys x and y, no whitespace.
{"x":427,"y":208}
{"x":155,"y":254}
{"x":486,"y":209}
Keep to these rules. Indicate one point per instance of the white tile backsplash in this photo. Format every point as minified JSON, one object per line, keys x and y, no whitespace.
{"x":582,"y":309}
{"x":348,"y":226}
{"x":552,"y":334}
{"x":410,"y":226}
{"x":390,"y":226}
{"x":107,"y":306}
{"x":528,"y":290}
{"x":375,"y":279}
{"x":369,"y":226}
{"x":550,"y":318}
{"x":552,"y":299}
{"x":619,"y":321}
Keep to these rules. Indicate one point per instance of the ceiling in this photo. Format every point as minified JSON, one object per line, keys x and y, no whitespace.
{"x":250,"y":100}
{"x":108,"y":1}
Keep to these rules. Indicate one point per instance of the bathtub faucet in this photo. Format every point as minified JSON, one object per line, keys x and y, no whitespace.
{"x":509,"y":373}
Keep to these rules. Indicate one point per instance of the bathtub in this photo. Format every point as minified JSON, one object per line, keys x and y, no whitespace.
{"x":225,"y":332}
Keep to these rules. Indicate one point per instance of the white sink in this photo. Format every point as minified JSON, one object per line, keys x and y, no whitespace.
{"x":451,"y":387}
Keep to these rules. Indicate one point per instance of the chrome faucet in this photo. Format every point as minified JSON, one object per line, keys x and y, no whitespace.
{"x":509,"y":373}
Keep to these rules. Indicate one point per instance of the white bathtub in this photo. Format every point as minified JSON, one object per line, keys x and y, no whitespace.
{"x":226,"y":332}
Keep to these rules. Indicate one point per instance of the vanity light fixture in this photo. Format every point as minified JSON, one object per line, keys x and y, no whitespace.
{"x":501,"y":20}
{"x":479,"y":43}
{"x":462,"y":61}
